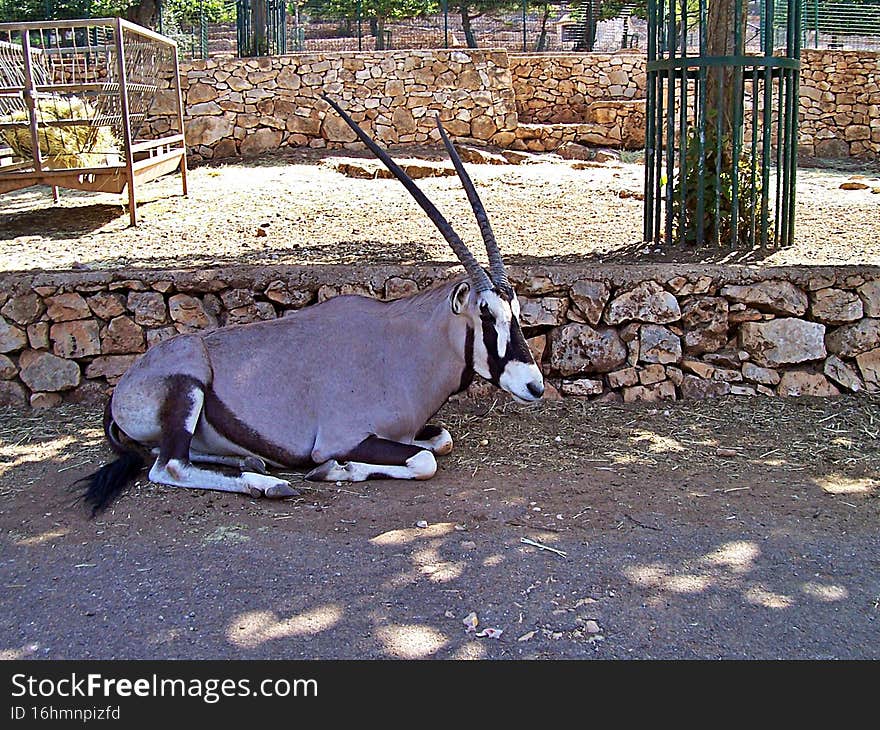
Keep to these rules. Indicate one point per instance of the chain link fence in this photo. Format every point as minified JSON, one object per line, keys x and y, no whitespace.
{"x":836,"y":25}
{"x":520,"y":26}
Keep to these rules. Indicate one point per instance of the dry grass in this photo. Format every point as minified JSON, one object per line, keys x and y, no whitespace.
{"x":568,"y":436}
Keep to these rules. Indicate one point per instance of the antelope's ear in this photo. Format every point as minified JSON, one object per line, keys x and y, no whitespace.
{"x":458,"y":298}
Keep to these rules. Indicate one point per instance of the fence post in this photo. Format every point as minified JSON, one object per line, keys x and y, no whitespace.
{"x":525,"y":40}
{"x":445,"y":5}
{"x":358,"y":11}
{"x":203,"y":31}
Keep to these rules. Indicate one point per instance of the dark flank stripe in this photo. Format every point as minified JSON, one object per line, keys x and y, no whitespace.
{"x":175,"y":409}
{"x":232,"y":428}
{"x":379,"y":451}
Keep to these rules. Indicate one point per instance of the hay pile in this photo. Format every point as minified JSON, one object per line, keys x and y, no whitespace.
{"x":62,"y":146}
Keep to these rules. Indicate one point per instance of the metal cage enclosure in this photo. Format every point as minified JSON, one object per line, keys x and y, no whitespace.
{"x":721,"y":173}
{"x":73,"y":97}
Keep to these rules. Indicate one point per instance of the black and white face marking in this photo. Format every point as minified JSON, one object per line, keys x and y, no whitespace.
{"x":501,"y":354}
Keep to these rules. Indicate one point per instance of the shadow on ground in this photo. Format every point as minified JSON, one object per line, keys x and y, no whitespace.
{"x":673,"y":547}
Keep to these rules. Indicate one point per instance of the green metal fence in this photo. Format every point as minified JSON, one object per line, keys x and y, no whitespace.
{"x":261,"y":27}
{"x":721,"y":138}
{"x":517,"y":25}
{"x":835,"y":25}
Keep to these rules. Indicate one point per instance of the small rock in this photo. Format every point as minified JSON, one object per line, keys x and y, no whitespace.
{"x":422,"y":523}
{"x":470,"y":622}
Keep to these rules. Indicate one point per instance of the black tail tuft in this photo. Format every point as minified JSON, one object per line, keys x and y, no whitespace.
{"x":104,"y":485}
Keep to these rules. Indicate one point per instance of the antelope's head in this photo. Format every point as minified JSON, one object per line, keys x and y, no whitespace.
{"x":486,"y":299}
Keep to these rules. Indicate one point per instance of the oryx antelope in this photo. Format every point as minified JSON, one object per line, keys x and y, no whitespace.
{"x":346,"y":386}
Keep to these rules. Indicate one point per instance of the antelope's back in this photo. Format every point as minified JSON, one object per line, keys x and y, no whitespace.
{"x":335,"y":372}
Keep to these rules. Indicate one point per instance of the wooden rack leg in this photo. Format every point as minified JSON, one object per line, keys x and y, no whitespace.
{"x":132,"y":204}
{"x":183,"y":173}
{"x":56,"y":198}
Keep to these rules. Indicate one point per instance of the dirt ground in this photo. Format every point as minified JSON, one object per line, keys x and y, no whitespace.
{"x":738,"y":528}
{"x":296,"y":209}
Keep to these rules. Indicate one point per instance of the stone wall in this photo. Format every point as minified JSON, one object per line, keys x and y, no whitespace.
{"x":249,"y":106}
{"x":561,"y":87}
{"x":840,"y":104}
{"x":620,"y":333}
{"x":522,"y":101}
{"x":839,"y":95}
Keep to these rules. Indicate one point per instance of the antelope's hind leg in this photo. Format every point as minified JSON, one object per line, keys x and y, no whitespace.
{"x":179,"y":416}
{"x":376,"y":458}
{"x":434,"y":438}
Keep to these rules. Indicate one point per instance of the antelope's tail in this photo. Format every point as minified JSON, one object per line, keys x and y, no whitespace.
{"x":102,"y":487}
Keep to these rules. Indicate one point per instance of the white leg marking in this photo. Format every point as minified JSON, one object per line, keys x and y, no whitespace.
{"x":422,"y":465}
{"x":441,"y":444}
{"x":178,"y":474}
{"x":242,"y":463}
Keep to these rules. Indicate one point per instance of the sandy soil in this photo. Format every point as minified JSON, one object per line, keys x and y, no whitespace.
{"x":743,"y":527}
{"x":546,"y":210}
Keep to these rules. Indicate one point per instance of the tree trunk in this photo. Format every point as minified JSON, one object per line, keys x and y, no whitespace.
{"x":380,"y":33}
{"x":469,"y":36}
{"x":542,"y":36}
{"x":588,"y":28}
{"x":259,"y":15}
{"x":723,"y":94}
{"x":145,"y":13}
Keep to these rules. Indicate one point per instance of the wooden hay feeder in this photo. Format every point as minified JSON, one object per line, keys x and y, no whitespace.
{"x":73,"y":97}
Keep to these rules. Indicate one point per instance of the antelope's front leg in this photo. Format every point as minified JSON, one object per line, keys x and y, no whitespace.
{"x":376,"y":458}
{"x":434,"y":438}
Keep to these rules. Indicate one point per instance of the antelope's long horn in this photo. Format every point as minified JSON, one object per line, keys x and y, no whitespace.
{"x":479,"y":278}
{"x":496,"y":265}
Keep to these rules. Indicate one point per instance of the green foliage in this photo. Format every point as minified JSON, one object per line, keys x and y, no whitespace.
{"x":388,"y":9}
{"x":27,"y":10}
{"x":715,"y":189}
{"x":186,"y":12}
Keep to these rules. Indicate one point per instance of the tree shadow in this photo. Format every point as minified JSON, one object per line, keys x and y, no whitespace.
{"x":56,"y":221}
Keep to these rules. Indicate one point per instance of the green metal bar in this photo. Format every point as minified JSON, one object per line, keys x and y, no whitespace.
{"x":766,"y":121}
{"x":203,"y":31}
{"x":719,"y":133}
{"x":648,"y":211}
{"x":669,"y":127}
{"x":780,"y":146}
{"x":682,"y":121}
{"x":701,"y":116}
{"x":774,"y":62}
{"x":739,"y":48}
{"x":795,"y":112}
{"x":524,"y":37}
{"x":753,"y":195}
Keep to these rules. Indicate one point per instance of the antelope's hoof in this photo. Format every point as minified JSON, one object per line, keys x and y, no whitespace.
{"x":260,"y":485}
{"x":329,"y":471}
{"x":254,"y":463}
{"x":280,"y":491}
